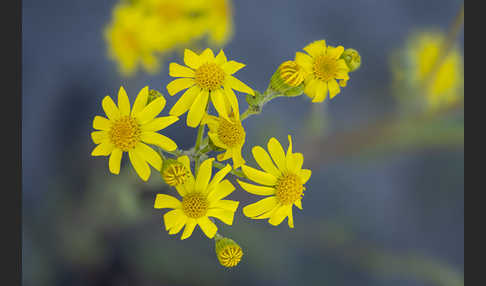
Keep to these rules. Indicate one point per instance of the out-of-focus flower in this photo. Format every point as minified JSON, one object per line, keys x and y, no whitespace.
{"x":128,"y":131}
{"x":177,"y":172}
{"x":229,"y":253}
{"x":205,"y":76}
{"x":283,"y":181}
{"x":229,"y":135}
{"x":323,"y":66}
{"x":201,"y":199}
{"x":143,"y":31}
{"x":425,"y":71}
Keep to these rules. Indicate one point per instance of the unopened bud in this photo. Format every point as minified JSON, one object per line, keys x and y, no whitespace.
{"x":174,"y":173}
{"x":352,"y":59}
{"x":229,"y":253}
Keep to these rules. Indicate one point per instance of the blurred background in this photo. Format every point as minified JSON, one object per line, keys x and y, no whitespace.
{"x":384,"y":205}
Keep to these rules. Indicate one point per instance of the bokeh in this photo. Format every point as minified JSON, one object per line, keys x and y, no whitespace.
{"x":384,"y":205}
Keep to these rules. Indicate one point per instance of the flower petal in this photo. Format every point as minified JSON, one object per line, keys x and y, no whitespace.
{"x":280,"y":214}
{"x":104,"y":149}
{"x":163,"y":201}
{"x":160,"y":140}
{"x":140,"y":101}
{"x":123,"y":102}
{"x":110,"y":108}
{"x":320,"y":91}
{"x":259,"y":176}
{"x":316,"y":48}
{"x":304,"y":60}
{"x":101,"y":123}
{"x":305,"y":175}
{"x":221,"y":58}
{"x":99,"y":136}
{"x":150,"y":111}
{"x":219,"y":176}
{"x":191,"y":59}
{"x":207,"y":226}
{"x":260,"y":207}
{"x":264,"y":161}
{"x":207,"y":56}
{"x":257,"y":190}
{"x":172,"y":217}
{"x":204,"y":175}
{"x":177,"y":70}
{"x":179,"y":84}
{"x":228,"y":205}
{"x":185,"y":101}
{"x":149,"y":155}
{"x":333,"y":88}
{"x":231,"y":96}
{"x":223,"y":215}
{"x":231,"y":67}
{"x":294,"y":162}
{"x":140,"y":166}
{"x":190,"y":225}
{"x":115,"y":161}
{"x":238,"y":85}
{"x":336,"y":52}
{"x":222,"y":190}
{"x":217,"y":98}
{"x":277,"y":153}
{"x":178,"y":223}
{"x":298,"y":204}
{"x":198,"y":109}
{"x":160,"y":123}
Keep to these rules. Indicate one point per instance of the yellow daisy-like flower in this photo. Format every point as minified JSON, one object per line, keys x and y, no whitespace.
{"x":201,"y":199}
{"x":227,"y":133}
{"x":128,"y":131}
{"x":323,"y":66}
{"x":283,"y":181}
{"x":205,"y":76}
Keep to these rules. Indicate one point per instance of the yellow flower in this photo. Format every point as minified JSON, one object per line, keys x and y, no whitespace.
{"x":205,"y":76}
{"x":201,"y":199}
{"x":176,"y":172}
{"x":221,"y":21}
{"x":441,"y":85}
{"x":323,"y":66}
{"x":227,"y":134}
{"x":128,"y":131}
{"x":229,"y":253}
{"x":283,"y":181}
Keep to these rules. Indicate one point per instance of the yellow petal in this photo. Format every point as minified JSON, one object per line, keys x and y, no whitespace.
{"x":99,"y":136}
{"x":198,"y":109}
{"x":238,"y":160}
{"x":151,"y":110}
{"x":222,"y":190}
{"x":178,"y":224}
{"x":294,"y":162}
{"x":207,"y":55}
{"x":179,"y":84}
{"x":160,"y":123}
{"x":177,"y":70}
{"x":238,"y":85}
{"x":298,"y":203}
{"x":277,"y":153}
{"x":223,"y":215}
{"x":110,"y":108}
{"x":221,"y":58}
{"x":219,"y":176}
{"x":217,"y":98}
{"x":291,"y":218}
{"x":305,"y":175}
{"x":115,"y":161}
{"x":163,"y":201}
{"x":185,"y":101}
{"x":140,"y":101}
{"x":231,"y":97}
{"x":149,"y":155}
{"x":280,"y":214}
{"x":140,"y":166}
{"x":191,"y":59}
{"x":204,"y":175}
{"x":225,"y":204}
{"x":316,"y":48}
{"x":207,"y":226}
{"x":123,"y":102}
{"x":259,"y":176}
{"x":304,"y":60}
{"x":333,"y":88}
{"x":158,"y":139}
{"x":104,"y":149}
{"x":101,"y":123}
{"x":320,"y":93}
{"x":310,"y":88}
{"x":190,"y":225}
{"x":260,"y":207}
{"x":172,"y":218}
{"x":232,"y":66}
{"x":257,"y":190}
{"x":264,"y":161}
{"x":336,"y":52}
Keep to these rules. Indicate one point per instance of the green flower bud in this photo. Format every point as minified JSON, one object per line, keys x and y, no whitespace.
{"x":153,"y":94}
{"x":174,"y":173}
{"x":288,"y":79}
{"x":229,"y":253}
{"x":352,"y":59}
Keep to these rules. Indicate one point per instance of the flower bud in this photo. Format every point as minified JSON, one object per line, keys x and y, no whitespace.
{"x":288,"y":79}
{"x":352,"y":59}
{"x":153,"y":94}
{"x":229,"y":253}
{"x":174,"y":173}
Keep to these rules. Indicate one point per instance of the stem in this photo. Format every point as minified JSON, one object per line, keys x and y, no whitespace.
{"x":268,"y":95}
{"x":237,"y":173}
{"x":200,"y":133}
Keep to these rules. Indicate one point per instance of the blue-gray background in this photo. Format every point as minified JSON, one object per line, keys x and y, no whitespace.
{"x":405,"y":204}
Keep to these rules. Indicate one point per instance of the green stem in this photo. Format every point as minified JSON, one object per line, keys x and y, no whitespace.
{"x":199,"y":138}
{"x":237,"y":173}
{"x":257,"y":109}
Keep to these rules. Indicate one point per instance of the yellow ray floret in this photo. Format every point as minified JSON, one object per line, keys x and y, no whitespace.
{"x":128,"y":130}
{"x":202,"y":198}
{"x":323,"y":67}
{"x":205,"y":76}
{"x":282,"y":180}
{"x":227,"y":134}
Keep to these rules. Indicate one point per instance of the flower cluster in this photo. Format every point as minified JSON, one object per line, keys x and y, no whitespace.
{"x":208,"y":80}
{"x":143,"y":30}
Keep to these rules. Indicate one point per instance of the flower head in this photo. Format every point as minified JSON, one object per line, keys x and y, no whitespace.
{"x":323,"y":66}
{"x":229,"y":253}
{"x":177,"y":172}
{"x":282,"y":180}
{"x":204,"y":77}
{"x":128,"y":131}
{"x":288,"y":79}
{"x":227,"y":134}
{"x":201,"y":199}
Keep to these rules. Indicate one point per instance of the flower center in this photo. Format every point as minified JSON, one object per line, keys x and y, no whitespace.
{"x":231,"y":134}
{"x":125,"y":133}
{"x":230,"y":256}
{"x":289,"y":189}
{"x":175,"y":175}
{"x":195,"y":205}
{"x":209,"y":76}
{"x":325,"y":67}
{"x":291,"y":73}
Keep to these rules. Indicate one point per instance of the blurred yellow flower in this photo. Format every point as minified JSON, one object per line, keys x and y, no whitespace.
{"x":205,"y":76}
{"x":323,"y":66}
{"x":201,"y":199}
{"x":441,"y":81}
{"x":227,"y":134}
{"x":142,"y":31}
{"x":283,"y":181}
{"x":127,"y":131}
